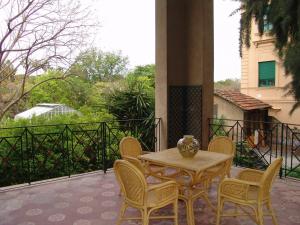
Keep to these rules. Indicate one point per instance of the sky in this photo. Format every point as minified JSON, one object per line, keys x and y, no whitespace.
{"x":129,"y":26}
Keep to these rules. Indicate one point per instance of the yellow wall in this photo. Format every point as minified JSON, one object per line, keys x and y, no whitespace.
{"x":262,"y":49}
{"x":227,"y":109}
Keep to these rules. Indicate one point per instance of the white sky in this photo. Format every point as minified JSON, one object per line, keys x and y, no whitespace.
{"x":129,"y":26}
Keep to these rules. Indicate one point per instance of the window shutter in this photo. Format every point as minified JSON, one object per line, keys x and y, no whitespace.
{"x":266,"y":73}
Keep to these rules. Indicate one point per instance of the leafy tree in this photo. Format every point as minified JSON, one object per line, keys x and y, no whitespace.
{"x":96,"y":65}
{"x":35,"y":35}
{"x":146,"y":70}
{"x":72,"y":91}
{"x":283,"y":15}
{"x":133,"y":98}
{"x":228,"y":84}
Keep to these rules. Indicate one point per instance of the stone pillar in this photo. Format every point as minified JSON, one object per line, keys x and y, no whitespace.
{"x":184,"y":69}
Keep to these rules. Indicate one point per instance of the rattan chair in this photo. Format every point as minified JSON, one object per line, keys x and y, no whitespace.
{"x":251,"y":189}
{"x":223,"y":145}
{"x":146,"y":198}
{"x":130,"y":146}
{"x":130,"y":149}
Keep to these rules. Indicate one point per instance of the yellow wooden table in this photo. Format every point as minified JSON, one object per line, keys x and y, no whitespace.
{"x":191,"y":173}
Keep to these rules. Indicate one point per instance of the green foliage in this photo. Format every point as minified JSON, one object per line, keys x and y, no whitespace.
{"x":228,"y":84}
{"x":146,"y":71}
{"x":284,"y":17}
{"x":58,"y":119}
{"x":96,"y":65}
{"x":72,"y":91}
{"x":133,"y":98}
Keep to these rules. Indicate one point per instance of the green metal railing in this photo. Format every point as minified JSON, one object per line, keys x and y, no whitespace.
{"x":258,"y":143}
{"x":34,"y":153}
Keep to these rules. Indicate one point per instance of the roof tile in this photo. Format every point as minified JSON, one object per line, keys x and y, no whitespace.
{"x":245,"y":102}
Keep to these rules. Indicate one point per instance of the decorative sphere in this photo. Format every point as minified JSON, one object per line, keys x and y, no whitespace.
{"x":188,"y":146}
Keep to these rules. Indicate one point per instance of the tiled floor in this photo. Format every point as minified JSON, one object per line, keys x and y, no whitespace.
{"x":93,"y":199}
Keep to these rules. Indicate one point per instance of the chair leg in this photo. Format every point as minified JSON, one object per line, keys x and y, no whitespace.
{"x":269,"y":206}
{"x":122,"y":212}
{"x":190,"y":211}
{"x":219,"y":210}
{"x":145,"y":217}
{"x":260,"y":215}
{"x":175,"y":208}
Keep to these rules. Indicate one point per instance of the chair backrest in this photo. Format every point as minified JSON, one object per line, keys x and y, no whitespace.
{"x":269,"y":176}
{"x":131,"y":181}
{"x":222,"y":144}
{"x":138,"y":164}
{"x":130,"y":146}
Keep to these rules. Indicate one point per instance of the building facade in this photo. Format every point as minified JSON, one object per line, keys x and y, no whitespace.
{"x":264,"y":77}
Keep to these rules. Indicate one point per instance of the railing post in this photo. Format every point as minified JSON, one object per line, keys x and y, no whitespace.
{"x":281,"y":149}
{"x":103,"y":138}
{"x":208,"y":126}
{"x":27,"y":156}
{"x":67,"y":150}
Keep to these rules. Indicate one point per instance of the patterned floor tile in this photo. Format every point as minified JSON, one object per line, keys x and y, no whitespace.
{"x":93,"y":199}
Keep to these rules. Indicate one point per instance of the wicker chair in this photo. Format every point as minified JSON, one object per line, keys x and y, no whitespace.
{"x":130,"y":146}
{"x":223,"y":145}
{"x":252,"y":189}
{"x":130,"y":149}
{"x":146,"y":198}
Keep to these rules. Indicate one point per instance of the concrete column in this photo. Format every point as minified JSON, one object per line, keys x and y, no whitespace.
{"x":184,"y":65}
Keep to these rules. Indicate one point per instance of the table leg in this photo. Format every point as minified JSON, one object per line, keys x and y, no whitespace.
{"x":190,"y":212}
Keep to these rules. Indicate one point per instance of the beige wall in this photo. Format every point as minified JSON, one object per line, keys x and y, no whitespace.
{"x":184,"y":55}
{"x":262,"y":49}
{"x":227,"y":109}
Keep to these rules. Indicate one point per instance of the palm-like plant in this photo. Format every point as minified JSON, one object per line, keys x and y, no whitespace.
{"x":132,"y":103}
{"x":285,"y":20}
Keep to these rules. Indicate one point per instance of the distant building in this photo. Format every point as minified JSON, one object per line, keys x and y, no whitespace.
{"x":237,"y":106}
{"x":264,"y":77}
{"x":47,"y":110}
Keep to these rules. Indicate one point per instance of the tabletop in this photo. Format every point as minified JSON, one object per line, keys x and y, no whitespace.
{"x":171,"y":157}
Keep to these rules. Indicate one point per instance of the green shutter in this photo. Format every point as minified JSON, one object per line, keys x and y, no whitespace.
{"x":266,"y":73}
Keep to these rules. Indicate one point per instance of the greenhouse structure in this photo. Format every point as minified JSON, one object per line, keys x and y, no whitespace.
{"x":47,"y":110}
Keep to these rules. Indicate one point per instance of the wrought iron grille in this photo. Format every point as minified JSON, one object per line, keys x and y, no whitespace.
{"x":258,"y":143}
{"x":34,"y":153}
{"x":184,"y":113}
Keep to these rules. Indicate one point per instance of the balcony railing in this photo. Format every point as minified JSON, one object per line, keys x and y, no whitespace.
{"x":258,"y":143}
{"x":34,"y":153}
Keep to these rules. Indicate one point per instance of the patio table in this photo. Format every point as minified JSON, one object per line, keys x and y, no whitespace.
{"x":193,"y":168}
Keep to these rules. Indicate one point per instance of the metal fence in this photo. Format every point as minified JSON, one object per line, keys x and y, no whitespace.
{"x":258,"y":143}
{"x":35,"y":153}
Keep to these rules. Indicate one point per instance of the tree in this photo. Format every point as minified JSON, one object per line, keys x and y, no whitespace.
{"x":228,"y":84}
{"x":133,"y":99}
{"x":146,"y":71}
{"x":36,"y":35}
{"x":72,"y":91}
{"x":284,"y":16}
{"x":96,"y":65}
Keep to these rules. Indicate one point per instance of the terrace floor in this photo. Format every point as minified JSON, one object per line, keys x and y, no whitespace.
{"x":93,"y":199}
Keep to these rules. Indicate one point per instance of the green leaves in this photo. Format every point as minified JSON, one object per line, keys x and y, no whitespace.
{"x":96,"y":65}
{"x":133,"y":98}
{"x":72,"y":91}
{"x":284,"y":15}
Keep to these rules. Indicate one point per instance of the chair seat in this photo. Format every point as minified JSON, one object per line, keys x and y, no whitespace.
{"x":152,"y":200}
